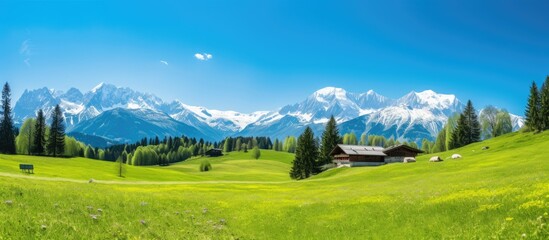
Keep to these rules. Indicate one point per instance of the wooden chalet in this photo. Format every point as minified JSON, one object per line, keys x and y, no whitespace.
{"x":355,"y":155}
{"x":214,"y":152}
{"x":397,"y":153}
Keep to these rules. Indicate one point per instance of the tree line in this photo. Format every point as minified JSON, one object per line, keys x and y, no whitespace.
{"x":34,"y":137}
{"x":460,"y":130}
{"x":537,"y":108}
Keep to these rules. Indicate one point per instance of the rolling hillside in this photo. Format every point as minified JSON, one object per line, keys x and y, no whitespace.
{"x":500,"y":193}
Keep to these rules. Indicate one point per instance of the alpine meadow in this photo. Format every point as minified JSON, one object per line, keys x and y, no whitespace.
{"x":259,"y":120}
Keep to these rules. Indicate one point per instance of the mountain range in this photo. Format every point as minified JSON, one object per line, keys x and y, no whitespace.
{"x":118,"y":114}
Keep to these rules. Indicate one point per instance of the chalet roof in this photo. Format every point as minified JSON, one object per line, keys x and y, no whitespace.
{"x":215,"y":149}
{"x":361,"y":150}
{"x":389,"y":149}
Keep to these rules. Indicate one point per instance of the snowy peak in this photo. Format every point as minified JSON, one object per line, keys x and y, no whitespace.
{"x":225,"y":120}
{"x":430,"y":100}
{"x":372,"y":100}
{"x":30,"y":101}
{"x":343,"y":105}
{"x":96,"y":88}
{"x":73,"y":95}
{"x":107,"y":96}
{"x":328,"y":94}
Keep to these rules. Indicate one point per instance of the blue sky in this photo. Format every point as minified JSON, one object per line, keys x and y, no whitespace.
{"x":266,"y":54}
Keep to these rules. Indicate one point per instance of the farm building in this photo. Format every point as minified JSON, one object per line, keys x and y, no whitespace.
{"x":355,"y":155}
{"x":214,"y":152}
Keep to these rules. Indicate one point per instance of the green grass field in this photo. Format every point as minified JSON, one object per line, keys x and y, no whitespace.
{"x":500,"y":193}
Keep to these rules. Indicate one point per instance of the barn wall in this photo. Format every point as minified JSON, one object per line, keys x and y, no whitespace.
{"x":360,"y":164}
{"x":361,"y":158}
{"x":394,"y":159}
{"x":401,"y":153}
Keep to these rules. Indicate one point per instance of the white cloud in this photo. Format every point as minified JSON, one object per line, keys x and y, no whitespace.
{"x":164,"y":62}
{"x":25,"y":51}
{"x":203,"y":56}
{"x":25,"y":48}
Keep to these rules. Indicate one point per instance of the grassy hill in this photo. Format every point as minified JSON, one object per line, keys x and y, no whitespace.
{"x":237,"y":166}
{"x":498,"y":193}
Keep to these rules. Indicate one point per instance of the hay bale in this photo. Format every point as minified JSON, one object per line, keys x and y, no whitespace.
{"x":456,"y":156}
{"x":435,"y":159}
{"x":409,"y":160}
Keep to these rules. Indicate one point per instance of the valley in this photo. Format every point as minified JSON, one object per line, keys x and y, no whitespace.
{"x":413,"y":117}
{"x":502,"y":192}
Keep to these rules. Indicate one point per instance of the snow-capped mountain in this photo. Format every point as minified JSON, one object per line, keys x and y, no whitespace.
{"x":415,"y":116}
{"x":130,"y":125}
{"x":329,"y":101}
{"x":78,"y":108}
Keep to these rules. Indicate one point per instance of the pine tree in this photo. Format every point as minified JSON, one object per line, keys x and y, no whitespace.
{"x":472,"y":125}
{"x":276,"y":145}
{"x":7,"y":135}
{"x":303,"y":165}
{"x":458,"y":138}
{"x":544,"y":104}
{"x":39,"y":134}
{"x":468,"y":128}
{"x":533,"y":109}
{"x":56,"y":140}
{"x":330,"y":139}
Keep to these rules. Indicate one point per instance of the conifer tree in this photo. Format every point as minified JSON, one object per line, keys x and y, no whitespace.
{"x":303,"y":165}
{"x":39,"y":134}
{"x":468,"y":128}
{"x":532,"y":114}
{"x":472,"y":123}
{"x":458,"y":138}
{"x":7,"y":134}
{"x":544,"y":104}
{"x":56,"y":139}
{"x":330,"y":139}
{"x":275,"y":145}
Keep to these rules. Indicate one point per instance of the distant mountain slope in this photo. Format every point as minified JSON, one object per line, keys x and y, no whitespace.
{"x":95,"y":141}
{"x":415,"y":116}
{"x":130,"y":125}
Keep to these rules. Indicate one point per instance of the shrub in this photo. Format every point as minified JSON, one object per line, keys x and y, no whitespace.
{"x":256,"y":153}
{"x":205,"y":166}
